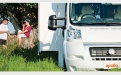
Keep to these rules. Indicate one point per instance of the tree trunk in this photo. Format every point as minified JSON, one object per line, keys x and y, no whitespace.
{"x":13,"y":20}
{"x":26,"y":43}
{"x":31,"y":41}
{"x":12,"y":40}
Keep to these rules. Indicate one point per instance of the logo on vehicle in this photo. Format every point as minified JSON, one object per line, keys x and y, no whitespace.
{"x":114,"y":65}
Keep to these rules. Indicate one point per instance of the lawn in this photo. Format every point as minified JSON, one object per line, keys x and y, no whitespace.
{"x":15,"y":58}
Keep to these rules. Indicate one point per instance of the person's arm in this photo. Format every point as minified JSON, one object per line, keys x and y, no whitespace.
{"x":28,"y":29}
{"x":9,"y":34}
{"x":1,"y":32}
{"x":23,"y":31}
{"x":7,"y":31}
{"x":23,"y":27}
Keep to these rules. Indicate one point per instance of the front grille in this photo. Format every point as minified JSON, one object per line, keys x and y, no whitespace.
{"x":106,"y":59}
{"x":103,"y":51}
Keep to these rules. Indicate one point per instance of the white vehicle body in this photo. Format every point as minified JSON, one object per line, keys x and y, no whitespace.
{"x":89,"y":51}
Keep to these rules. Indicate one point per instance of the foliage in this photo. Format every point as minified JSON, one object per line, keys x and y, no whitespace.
{"x":21,"y":11}
{"x":16,"y":58}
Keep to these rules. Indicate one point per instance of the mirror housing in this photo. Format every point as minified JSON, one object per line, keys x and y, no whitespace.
{"x":52,"y":24}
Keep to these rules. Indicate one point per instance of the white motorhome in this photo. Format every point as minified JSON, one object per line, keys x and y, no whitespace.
{"x":86,"y":35}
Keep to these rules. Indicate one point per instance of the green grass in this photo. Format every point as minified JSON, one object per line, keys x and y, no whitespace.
{"x":15,"y":58}
{"x":115,"y":70}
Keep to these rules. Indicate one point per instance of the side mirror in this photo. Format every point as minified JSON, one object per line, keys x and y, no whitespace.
{"x":52,"y":24}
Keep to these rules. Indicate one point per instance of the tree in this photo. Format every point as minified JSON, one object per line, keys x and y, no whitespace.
{"x":18,"y":12}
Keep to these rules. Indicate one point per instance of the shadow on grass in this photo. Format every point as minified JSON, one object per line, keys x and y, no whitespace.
{"x":32,"y":54}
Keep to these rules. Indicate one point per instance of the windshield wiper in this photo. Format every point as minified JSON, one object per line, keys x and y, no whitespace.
{"x":113,"y":23}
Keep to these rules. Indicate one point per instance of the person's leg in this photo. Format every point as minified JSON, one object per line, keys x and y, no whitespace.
{"x":19,"y":38}
{"x":4,"y":44}
{"x":18,"y":34}
{"x":3,"y":38}
{"x":1,"y":43}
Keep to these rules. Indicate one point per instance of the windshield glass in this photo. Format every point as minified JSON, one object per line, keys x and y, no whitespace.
{"x":95,"y":13}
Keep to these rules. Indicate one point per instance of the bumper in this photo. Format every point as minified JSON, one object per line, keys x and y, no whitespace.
{"x":77,"y":57}
{"x":79,"y":65}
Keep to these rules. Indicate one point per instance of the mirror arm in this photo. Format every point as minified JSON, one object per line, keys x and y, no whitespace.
{"x":58,"y":19}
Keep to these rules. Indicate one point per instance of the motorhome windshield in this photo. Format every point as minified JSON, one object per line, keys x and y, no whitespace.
{"x":95,"y":14}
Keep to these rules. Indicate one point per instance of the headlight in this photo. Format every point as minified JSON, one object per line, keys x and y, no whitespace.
{"x":73,"y":33}
{"x":111,"y":51}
